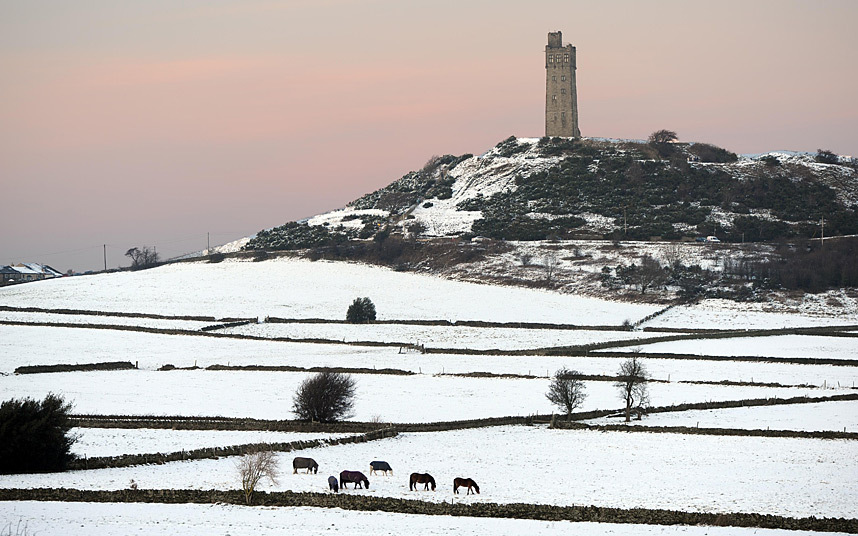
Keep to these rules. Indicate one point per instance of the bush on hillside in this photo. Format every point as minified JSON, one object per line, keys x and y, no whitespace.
{"x":361,"y":311}
{"x":34,"y":435}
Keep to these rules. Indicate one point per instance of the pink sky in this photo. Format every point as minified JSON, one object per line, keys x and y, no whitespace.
{"x":153,"y":123}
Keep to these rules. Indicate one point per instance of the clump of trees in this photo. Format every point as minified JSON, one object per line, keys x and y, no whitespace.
{"x":632,"y":387}
{"x":662,"y":140}
{"x":325,"y":397}
{"x":253,"y":467}
{"x":34,"y":435}
{"x":566,"y":390}
{"x":824,"y":156}
{"x":143,"y":257}
{"x":361,"y":311}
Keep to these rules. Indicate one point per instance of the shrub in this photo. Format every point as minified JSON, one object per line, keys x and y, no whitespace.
{"x":711,"y":153}
{"x":325,"y":397}
{"x":361,"y":311}
{"x":34,"y":435}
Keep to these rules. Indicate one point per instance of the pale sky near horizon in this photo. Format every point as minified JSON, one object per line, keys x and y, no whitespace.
{"x":154,"y":122}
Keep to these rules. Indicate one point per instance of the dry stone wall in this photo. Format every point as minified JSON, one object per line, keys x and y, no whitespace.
{"x":344,"y":501}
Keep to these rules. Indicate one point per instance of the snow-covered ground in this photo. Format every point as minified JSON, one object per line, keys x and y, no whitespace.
{"x":824,"y":416}
{"x":36,"y":345}
{"x":100,"y":519}
{"x":774,"y":346}
{"x":114,"y":441}
{"x":296,"y":288}
{"x":268,"y":395}
{"x":784,"y":476}
{"x":795,"y":477}
{"x":442,"y":336}
{"x":723,"y":314}
{"x":54,"y":318}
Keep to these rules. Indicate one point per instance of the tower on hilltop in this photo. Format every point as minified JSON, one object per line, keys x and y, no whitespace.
{"x":561,"y":96}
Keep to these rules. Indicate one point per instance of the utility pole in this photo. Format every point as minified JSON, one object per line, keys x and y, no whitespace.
{"x":105,"y":257}
{"x":822,"y":231}
{"x":208,"y":243}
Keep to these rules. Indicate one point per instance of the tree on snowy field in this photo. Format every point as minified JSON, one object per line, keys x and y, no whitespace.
{"x":566,"y":391}
{"x":632,"y":386}
{"x":325,"y":397}
{"x":253,"y":467}
{"x":361,"y":311}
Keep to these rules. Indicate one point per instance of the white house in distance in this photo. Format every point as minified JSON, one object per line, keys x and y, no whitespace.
{"x":24,"y":272}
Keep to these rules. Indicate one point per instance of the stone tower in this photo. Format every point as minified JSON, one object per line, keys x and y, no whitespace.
{"x":561,"y":96}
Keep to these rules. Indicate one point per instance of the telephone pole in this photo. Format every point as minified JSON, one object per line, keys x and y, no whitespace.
{"x":822,"y":231}
{"x":105,"y":257}
{"x":208,"y":243}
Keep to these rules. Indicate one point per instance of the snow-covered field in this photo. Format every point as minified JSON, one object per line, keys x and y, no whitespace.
{"x":824,"y":416}
{"x":36,"y":345}
{"x":418,"y":398}
{"x":96,"y":519}
{"x":775,"y":346}
{"x":442,"y":336}
{"x":54,"y":318}
{"x":720,"y":314}
{"x":112,"y":441}
{"x":296,"y":288}
{"x":791,"y":477}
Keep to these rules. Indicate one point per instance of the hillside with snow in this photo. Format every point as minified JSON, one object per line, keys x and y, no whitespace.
{"x":535,"y":189}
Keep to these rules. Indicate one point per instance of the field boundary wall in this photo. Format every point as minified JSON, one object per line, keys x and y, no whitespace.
{"x":348,"y":501}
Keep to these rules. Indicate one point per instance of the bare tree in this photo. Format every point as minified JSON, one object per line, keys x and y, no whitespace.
{"x":325,"y":397}
{"x":549,"y":264}
{"x":141,"y":258}
{"x":632,"y":386}
{"x":566,"y":391}
{"x":253,"y":467}
{"x":650,"y":274}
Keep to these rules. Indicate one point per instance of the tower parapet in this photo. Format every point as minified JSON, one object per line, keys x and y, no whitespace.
{"x":561,"y":94}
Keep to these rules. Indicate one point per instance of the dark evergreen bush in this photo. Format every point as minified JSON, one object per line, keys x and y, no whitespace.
{"x":361,"y":311}
{"x":34,"y":435}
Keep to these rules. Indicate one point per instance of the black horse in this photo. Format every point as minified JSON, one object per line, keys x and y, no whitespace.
{"x":305,"y":463}
{"x":332,"y":484}
{"x":421,"y":478}
{"x":465,"y":482}
{"x":376,"y":466}
{"x":355,"y":477}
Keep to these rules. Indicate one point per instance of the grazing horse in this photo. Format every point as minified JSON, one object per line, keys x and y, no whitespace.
{"x":305,"y":463}
{"x":465,"y":482}
{"x":332,"y":484}
{"x":376,"y":466}
{"x":421,"y":478}
{"x":355,"y":477}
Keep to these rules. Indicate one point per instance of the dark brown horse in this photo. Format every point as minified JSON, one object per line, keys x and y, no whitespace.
{"x":421,"y":478}
{"x":355,"y":477}
{"x":465,"y":482}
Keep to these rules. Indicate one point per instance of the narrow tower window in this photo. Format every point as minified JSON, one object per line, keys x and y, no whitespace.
{"x":566,"y":58}
{"x":563,"y":78}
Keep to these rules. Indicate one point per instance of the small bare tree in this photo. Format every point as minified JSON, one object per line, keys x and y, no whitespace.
{"x":650,"y":274}
{"x":632,"y":386}
{"x":549,"y":264}
{"x":253,"y":467}
{"x":566,"y":391}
